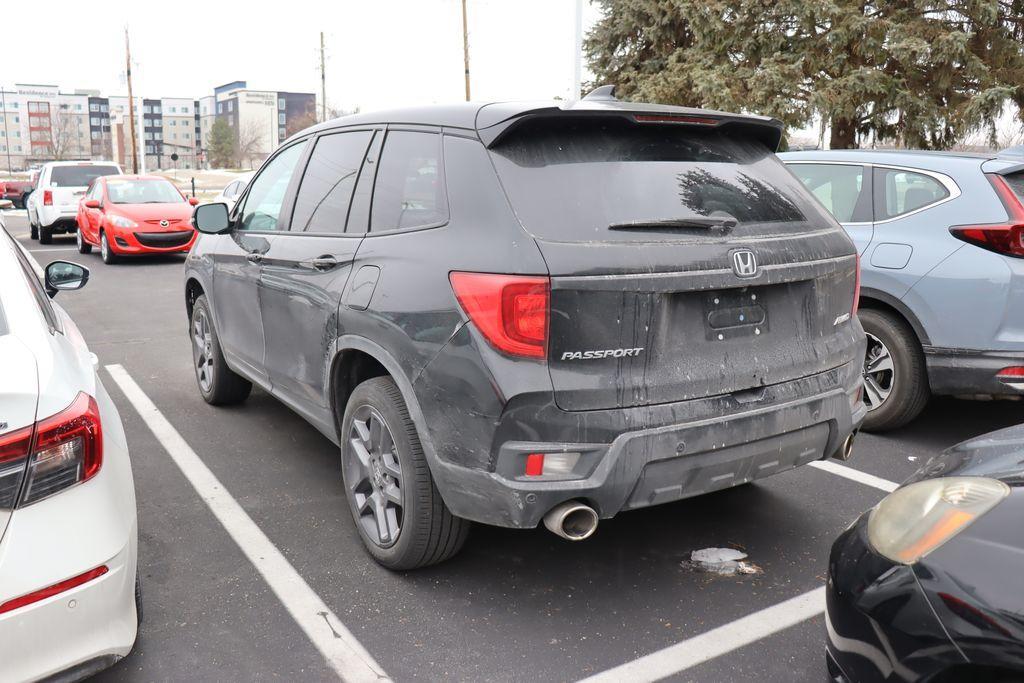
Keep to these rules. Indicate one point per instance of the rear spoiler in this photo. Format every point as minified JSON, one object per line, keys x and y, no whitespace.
{"x":1009,"y":170}
{"x":495,"y":123}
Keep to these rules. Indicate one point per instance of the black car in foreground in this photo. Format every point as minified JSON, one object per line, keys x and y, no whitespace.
{"x":514,"y":313}
{"x":929,"y":585}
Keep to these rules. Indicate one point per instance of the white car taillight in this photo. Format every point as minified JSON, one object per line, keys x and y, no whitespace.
{"x":55,"y":453}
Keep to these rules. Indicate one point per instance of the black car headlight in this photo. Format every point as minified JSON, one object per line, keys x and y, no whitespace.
{"x":914,"y":520}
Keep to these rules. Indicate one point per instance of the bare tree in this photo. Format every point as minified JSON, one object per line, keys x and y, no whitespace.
{"x":64,"y":135}
{"x":251,"y":143}
{"x":301,"y":122}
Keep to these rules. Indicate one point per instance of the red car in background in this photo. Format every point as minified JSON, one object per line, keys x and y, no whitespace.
{"x":18,"y":190}
{"x":132,"y":214}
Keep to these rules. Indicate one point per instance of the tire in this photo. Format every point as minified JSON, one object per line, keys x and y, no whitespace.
{"x":218,"y":384}
{"x":106,"y":253}
{"x":33,"y":231}
{"x":425,"y":532}
{"x":903,"y":389}
{"x":45,"y":235}
{"x":83,"y":246}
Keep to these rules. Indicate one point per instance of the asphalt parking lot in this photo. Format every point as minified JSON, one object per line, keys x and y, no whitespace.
{"x":514,"y":605}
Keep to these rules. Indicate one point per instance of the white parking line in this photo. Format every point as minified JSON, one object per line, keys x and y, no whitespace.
{"x":743,"y":631}
{"x":717,"y":642}
{"x":855,"y":475}
{"x":44,"y":251}
{"x":344,"y":654}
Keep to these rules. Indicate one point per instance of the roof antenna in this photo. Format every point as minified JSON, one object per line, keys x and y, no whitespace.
{"x":603,"y":92}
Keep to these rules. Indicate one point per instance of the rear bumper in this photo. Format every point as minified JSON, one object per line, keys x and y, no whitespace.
{"x":76,"y":633}
{"x":669,"y":458}
{"x":972,"y":372}
{"x":59,"y":218}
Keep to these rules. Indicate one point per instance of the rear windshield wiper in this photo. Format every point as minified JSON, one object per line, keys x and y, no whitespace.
{"x":722,"y":223}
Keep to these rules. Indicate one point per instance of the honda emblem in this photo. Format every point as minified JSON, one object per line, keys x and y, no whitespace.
{"x":744,"y":263}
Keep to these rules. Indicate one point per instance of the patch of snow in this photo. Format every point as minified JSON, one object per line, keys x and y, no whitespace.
{"x":721,"y":561}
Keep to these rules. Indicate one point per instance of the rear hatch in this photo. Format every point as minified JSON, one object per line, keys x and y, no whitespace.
{"x":685,"y":260}
{"x":69,"y":183}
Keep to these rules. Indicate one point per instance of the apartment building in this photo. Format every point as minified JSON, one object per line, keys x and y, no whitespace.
{"x":39,"y":123}
{"x":262,"y":119}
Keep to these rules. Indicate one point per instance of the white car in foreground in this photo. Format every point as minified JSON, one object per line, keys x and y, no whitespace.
{"x":229,"y":195}
{"x":68,"y":529}
{"x":53,"y":205}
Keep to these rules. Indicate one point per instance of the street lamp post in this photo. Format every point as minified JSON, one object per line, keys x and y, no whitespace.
{"x":7,"y":138}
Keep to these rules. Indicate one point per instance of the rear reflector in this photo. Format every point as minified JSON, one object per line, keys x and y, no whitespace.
{"x":56,"y":588}
{"x":1003,"y":238}
{"x":511,"y":311}
{"x":550,"y":464}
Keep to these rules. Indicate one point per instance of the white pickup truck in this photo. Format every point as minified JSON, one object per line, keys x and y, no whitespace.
{"x":53,"y":205}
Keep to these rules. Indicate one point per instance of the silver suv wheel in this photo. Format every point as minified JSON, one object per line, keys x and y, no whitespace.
{"x":879,"y":375}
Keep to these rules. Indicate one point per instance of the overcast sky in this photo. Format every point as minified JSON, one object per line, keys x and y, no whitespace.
{"x":380,"y":53}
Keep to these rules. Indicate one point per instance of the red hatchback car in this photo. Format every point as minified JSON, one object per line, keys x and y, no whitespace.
{"x":132,"y":214}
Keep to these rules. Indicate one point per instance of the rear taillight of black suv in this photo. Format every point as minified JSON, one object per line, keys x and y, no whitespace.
{"x":51,"y":455}
{"x":511,"y":311}
{"x":1003,"y":238}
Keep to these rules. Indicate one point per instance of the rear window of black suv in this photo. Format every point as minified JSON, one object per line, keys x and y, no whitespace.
{"x":570,"y":179}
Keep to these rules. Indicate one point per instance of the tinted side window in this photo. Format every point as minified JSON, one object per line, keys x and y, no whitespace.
{"x":1016,"y":183}
{"x":898,"y":192}
{"x":326,"y":190}
{"x":838,"y":187}
{"x":267,"y":194}
{"x":409,"y":192}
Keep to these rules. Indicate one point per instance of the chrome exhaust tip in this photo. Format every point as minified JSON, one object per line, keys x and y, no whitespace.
{"x":847,"y":448}
{"x":572,"y":520}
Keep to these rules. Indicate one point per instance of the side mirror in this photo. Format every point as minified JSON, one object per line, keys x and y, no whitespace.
{"x":193,"y":201}
{"x":211,"y":219}
{"x":64,"y":275}
{"x":92,"y":203}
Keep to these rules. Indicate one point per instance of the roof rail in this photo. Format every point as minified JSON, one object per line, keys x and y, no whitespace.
{"x":602,"y":92}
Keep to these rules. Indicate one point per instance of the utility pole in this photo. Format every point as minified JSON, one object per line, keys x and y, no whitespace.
{"x":577,"y":66}
{"x":323,"y":81}
{"x":131,"y":102}
{"x":7,"y":137}
{"x":465,"y":46}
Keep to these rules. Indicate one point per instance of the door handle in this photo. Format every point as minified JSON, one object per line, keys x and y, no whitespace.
{"x":254,"y":257}
{"x":324,"y":262}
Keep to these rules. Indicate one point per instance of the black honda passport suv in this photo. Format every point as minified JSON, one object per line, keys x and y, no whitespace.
{"x":514,"y":313}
